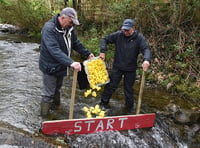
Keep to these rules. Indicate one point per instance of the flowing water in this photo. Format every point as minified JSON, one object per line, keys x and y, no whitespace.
{"x":20,"y":88}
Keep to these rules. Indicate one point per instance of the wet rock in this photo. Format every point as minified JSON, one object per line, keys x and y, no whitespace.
{"x":196,"y":128}
{"x":186,"y":117}
{"x":193,"y":131}
{"x":8,"y":28}
{"x":195,"y":142}
{"x":182,"y":116}
{"x":12,"y":136}
{"x":12,"y":29}
{"x":172,"y":109}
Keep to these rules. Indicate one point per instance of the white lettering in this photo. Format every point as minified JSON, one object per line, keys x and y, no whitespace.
{"x":122,"y":121}
{"x":109,"y":122}
{"x":100,"y":125}
{"x":76,"y":126}
{"x":89,"y":122}
{"x":137,"y":125}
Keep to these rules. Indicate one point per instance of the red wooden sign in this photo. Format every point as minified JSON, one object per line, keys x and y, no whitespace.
{"x":85,"y":126}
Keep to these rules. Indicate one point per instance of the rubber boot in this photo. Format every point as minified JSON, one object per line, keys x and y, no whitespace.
{"x":103,"y":106}
{"x":56,"y":99}
{"x":130,"y":111}
{"x":45,"y":106}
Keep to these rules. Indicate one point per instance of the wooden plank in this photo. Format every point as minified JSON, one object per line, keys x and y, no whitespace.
{"x":73,"y":95}
{"x":86,"y":126}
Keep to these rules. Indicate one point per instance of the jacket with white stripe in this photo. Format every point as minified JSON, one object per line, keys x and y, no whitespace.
{"x":55,"y":48}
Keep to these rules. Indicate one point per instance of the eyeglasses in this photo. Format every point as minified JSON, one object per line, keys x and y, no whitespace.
{"x":70,"y":20}
{"x":126,"y":30}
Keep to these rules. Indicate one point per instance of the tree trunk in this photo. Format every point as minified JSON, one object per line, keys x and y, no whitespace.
{"x":75,"y":4}
{"x":79,"y":6}
{"x":65,"y":3}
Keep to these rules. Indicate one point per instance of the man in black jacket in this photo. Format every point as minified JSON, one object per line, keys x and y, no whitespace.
{"x":58,"y":39}
{"x":128,"y":44}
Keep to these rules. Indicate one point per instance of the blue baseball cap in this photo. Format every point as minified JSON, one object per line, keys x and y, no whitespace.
{"x":128,"y":24}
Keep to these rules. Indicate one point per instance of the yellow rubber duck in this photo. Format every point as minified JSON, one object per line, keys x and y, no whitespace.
{"x":85,"y":109}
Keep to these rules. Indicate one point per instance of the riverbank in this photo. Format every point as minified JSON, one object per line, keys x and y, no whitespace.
{"x":12,"y":136}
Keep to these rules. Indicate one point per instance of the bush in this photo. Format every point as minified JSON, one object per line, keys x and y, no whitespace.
{"x":27,"y":14}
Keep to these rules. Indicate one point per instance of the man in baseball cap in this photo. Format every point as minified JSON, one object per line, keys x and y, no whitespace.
{"x":129,"y":43}
{"x":57,"y":42}
{"x":71,"y":13}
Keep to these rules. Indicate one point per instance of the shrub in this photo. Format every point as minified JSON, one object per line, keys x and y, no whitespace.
{"x":27,"y":14}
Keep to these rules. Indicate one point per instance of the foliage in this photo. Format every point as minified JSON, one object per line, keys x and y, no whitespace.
{"x":190,"y":90}
{"x":27,"y":14}
{"x":3,"y":2}
{"x":91,"y":41}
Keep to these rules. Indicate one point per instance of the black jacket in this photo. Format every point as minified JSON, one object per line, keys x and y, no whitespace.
{"x":55,"y":48}
{"x":126,"y":49}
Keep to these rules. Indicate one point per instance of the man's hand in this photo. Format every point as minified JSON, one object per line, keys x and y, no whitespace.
{"x":76,"y":66}
{"x":91,"y":56}
{"x":145,"y":65}
{"x":102,"y":56}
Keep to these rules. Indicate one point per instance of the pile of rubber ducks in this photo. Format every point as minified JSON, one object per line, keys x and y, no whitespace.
{"x":93,"y":112}
{"x":97,"y":72}
{"x":97,"y":75}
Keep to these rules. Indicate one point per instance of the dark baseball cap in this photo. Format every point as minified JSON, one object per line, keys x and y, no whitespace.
{"x":128,"y":24}
{"x":71,"y":13}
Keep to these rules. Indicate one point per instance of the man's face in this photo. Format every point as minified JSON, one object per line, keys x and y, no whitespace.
{"x":67,"y":22}
{"x":128,"y":32}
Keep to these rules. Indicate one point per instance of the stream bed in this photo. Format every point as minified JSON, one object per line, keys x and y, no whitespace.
{"x":20,"y":88}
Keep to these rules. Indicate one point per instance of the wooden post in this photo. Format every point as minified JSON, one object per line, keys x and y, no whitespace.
{"x":140,"y":93}
{"x":73,"y":95}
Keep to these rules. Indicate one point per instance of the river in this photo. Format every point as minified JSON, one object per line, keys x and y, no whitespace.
{"x":20,"y":88}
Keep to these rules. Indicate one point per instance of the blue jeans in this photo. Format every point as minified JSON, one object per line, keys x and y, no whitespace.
{"x":51,"y":87}
{"x":115,"y":78}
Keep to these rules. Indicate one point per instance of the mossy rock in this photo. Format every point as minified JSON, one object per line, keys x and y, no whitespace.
{"x":186,"y":117}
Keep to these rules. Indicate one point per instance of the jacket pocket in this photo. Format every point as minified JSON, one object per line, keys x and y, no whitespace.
{"x":53,"y":68}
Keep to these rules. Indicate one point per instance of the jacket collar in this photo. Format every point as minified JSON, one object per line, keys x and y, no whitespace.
{"x":57,"y":23}
{"x":133,"y":36}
